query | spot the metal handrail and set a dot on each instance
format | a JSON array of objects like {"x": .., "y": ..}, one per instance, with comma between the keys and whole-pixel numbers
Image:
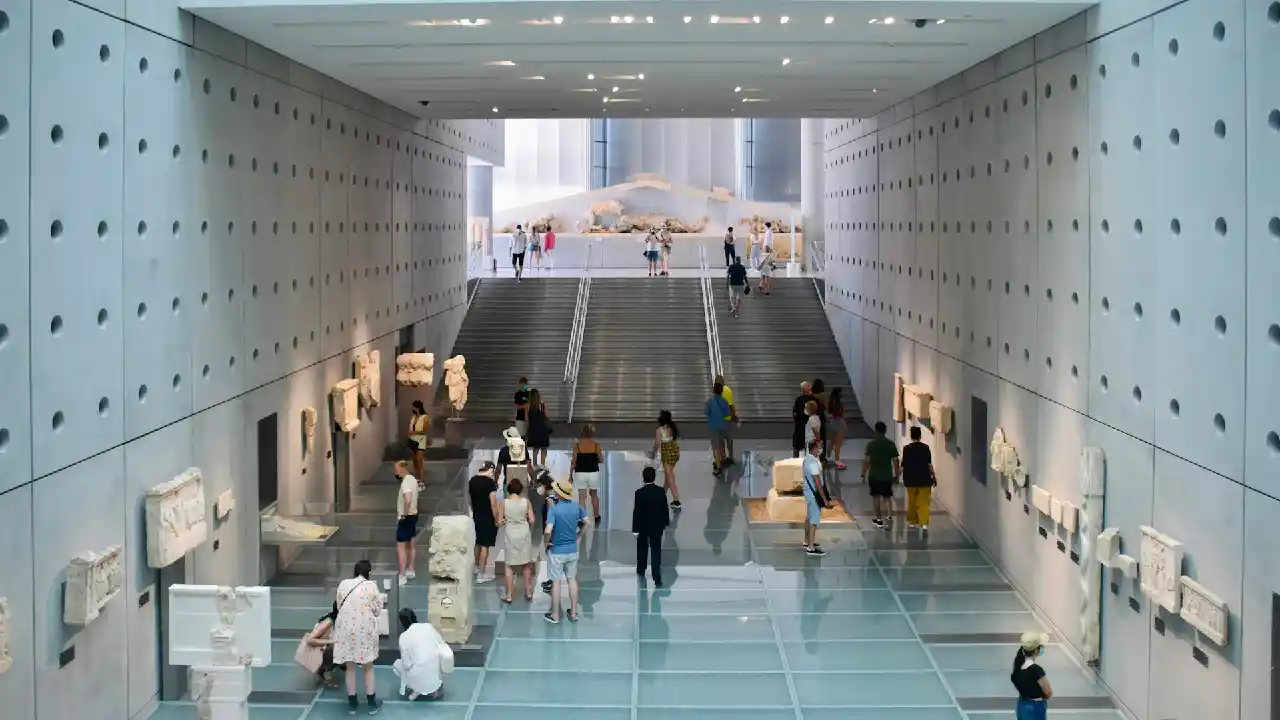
[
  {"x": 818, "y": 266},
  {"x": 577, "y": 356},
  {"x": 709, "y": 314},
  {"x": 573, "y": 358}
]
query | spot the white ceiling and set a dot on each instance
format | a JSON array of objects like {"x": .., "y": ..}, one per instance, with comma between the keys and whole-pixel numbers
[{"x": 848, "y": 67}]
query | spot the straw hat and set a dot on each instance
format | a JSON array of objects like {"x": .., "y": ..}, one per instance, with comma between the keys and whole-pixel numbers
[{"x": 564, "y": 490}]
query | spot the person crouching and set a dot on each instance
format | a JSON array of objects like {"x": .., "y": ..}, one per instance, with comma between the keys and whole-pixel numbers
[{"x": 424, "y": 658}]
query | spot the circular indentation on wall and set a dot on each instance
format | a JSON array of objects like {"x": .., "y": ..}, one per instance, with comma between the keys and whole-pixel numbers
[
  {"x": 1175, "y": 407},
  {"x": 1106, "y": 305},
  {"x": 1074, "y": 82},
  {"x": 177, "y": 75},
  {"x": 1075, "y": 371},
  {"x": 1048, "y": 294},
  {"x": 1137, "y": 394},
  {"x": 204, "y": 371},
  {"x": 295, "y": 342},
  {"x": 988, "y": 341},
  {"x": 4, "y": 25},
  {"x": 208, "y": 86},
  {"x": 1219, "y": 31},
  {"x": 1006, "y": 287},
  {"x": 1006, "y": 348},
  {"x": 231, "y": 294},
  {"x": 1137, "y": 143},
  {"x": 142, "y": 147},
  {"x": 103, "y": 141},
  {"x": 1220, "y": 129},
  {"x": 1137, "y": 311},
  {"x": 276, "y": 350},
  {"x": 231, "y": 160},
  {"x": 231, "y": 362},
  {"x": 56, "y": 134},
  {"x": 177, "y": 152},
  {"x": 1102, "y": 70},
  {"x": 1106, "y": 384},
  {"x": 102, "y": 317},
  {"x": 175, "y": 305},
  {"x": 1273, "y": 12},
  {"x": 1048, "y": 158},
  {"x": 1219, "y": 423},
  {"x": 55, "y": 229},
  {"x": 1273, "y": 332},
  {"x": 59, "y": 39},
  {"x": 1274, "y": 226},
  {"x": 104, "y": 53},
  {"x": 1106, "y": 227},
  {"x": 104, "y": 405},
  {"x": 1026, "y": 355},
  {"x": 234, "y": 94},
  {"x": 1175, "y": 226},
  {"x": 58, "y": 421},
  {"x": 142, "y": 311},
  {"x": 1075, "y": 154},
  {"x": 1173, "y": 47},
  {"x": 1220, "y": 226},
  {"x": 142, "y": 393},
  {"x": 175, "y": 228},
  {"x": 1175, "y": 137},
  {"x": 1135, "y": 59},
  {"x": 177, "y": 382},
  {"x": 4, "y": 432},
  {"x": 1220, "y": 325},
  {"x": 204, "y": 298},
  {"x": 1048, "y": 90},
  {"x": 4, "y": 335},
  {"x": 1048, "y": 363},
  {"x": 1075, "y": 225},
  {"x": 1105, "y": 148},
  {"x": 1175, "y": 316},
  {"x": 1137, "y": 227},
  {"x": 142, "y": 228}
]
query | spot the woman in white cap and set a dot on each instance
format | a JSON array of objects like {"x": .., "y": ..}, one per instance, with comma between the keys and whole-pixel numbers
[{"x": 1029, "y": 678}]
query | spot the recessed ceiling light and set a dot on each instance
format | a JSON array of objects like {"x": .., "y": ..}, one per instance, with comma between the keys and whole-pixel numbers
[
  {"x": 628, "y": 19},
  {"x": 534, "y": 77},
  {"x": 502, "y": 63},
  {"x": 755, "y": 18},
  {"x": 873, "y": 21},
  {"x": 615, "y": 88},
  {"x": 557, "y": 19},
  {"x": 828, "y": 20},
  {"x": 495, "y": 109},
  {"x": 889, "y": 21},
  {"x": 715, "y": 19},
  {"x": 688, "y": 19},
  {"x": 615, "y": 19},
  {"x": 606, "y": 98},
  {"x": 784, "y": 19},
  {"x": 640, "y": 76},
  {"x": 786, "y": 61},
  {"x": 942, "y": 21},
  {"x": 591, "y": 76},
  {"x": 465, "y": 22}
]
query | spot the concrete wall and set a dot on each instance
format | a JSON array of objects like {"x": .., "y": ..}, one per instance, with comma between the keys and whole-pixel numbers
[
  {"x": 1071, "y": 233},
  {"x": 195, "y": 233}
]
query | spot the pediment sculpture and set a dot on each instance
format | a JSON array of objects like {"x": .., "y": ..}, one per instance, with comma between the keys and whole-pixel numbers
[{"x": 415, "y": 369}]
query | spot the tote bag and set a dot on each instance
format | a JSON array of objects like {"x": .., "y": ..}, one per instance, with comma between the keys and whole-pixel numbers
[{"x": 307, "y": 655}]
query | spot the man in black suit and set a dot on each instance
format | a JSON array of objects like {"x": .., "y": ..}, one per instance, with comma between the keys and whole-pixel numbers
[{"x": 649, "y": 518}]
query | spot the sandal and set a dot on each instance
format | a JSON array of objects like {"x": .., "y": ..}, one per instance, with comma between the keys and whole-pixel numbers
[
  {"x": 573, "y": 616},
  {"x": 505, "y": 598}
]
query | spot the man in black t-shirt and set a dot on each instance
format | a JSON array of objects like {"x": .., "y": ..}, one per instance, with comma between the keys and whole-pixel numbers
[
  {"x": 737, "y": 285},
  {"x": 919, "y": 479},
  {"x": 522, "y": 407},
  {"x": 799, "y": 418},
  {"x": 481, "y": 489}
]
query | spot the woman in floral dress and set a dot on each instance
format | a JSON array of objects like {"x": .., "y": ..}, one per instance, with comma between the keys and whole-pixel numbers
[{"x": 355, "y": 633}]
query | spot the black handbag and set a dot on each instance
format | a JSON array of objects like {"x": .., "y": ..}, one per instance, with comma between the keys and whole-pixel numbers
[{"x": 746, "y": 289}]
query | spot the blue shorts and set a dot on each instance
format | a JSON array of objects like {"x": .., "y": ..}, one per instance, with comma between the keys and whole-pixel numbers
[
  {"x": 651, "y": 255},
  {"x": 1028, "y": 709},
  {"x": 562, "y": 566},
  {"x": 406, "y": 529}
]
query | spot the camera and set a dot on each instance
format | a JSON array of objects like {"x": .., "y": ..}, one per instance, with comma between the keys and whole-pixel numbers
[{"x": 920, "y": 22}]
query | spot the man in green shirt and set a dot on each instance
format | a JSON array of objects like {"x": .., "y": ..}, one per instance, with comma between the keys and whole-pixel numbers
[{"x": 880, "y": 470}]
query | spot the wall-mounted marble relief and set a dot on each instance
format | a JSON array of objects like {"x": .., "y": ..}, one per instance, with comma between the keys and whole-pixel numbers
[
  {"x": 915, "y": 400},
  {"x": 941, "y": 417},
  {"x": 6, "y": 659},
  {"x": 1161, "y": 575},
  {"x": 899, "y": 409},
  {"x": 176, "y": 518},
  {"x": 92, "y": 580},
  {"x": 1204, "y": 611},
  {"x": 370, "y": 376},
  {"x": 1004, "y": 459},
  {"x": 415, "y": 369},
  {"x": 346, "y": 404},
  {"x": 309, "y": 418}
]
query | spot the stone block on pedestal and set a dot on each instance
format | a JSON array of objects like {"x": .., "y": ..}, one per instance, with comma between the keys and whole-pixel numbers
[
  {"x": 788, "y": 475},
  {"x": 176, "y": 518},
  {"x": 452, "y": 547},
  {"x": 449, "y": 609},
  {"x": 786, "y": 508}
]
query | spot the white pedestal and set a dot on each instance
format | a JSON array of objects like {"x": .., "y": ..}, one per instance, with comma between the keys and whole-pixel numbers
[{"x": 222, "y": 693}]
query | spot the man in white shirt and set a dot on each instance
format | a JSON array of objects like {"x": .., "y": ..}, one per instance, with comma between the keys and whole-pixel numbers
[
  {"x": 406, "y": 522},
  {"x": 519, "y": 241},
  {"x": 768, "y": 243},
  {"x": 424, "y": 658}
]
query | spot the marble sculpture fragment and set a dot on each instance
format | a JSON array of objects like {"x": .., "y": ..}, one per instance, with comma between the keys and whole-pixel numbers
[
  {"x": 455, "y": 378},
  {"x": 369, "y": 372},
  {"x": 1204, "y": 611},
  {"x": 940, "y": 417},
  {"x": 1004, "y": 459},
  {"x": 92, "y": 580},
  {"x": 6, "y": 659},
  {"x": 1161, "y": 558},
  {"x": 346, "y": 404},
  {"x": 415, "y": 369},
  {"x": 309, "y": 417},
  {"x": 451, "y": 564},
  {"x": 176, "y": 518},
  {"x": 899, "y": 409},
  {"x": 915, "y": 400}
]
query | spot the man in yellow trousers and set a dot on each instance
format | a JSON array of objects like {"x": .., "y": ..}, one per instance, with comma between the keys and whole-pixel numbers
[{"x": 919, "y": 479}]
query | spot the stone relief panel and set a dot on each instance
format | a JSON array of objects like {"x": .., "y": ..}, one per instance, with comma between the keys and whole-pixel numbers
[
  {"x": 1041, "y": 500},
  {"x": 1004, "y": 459},
  {"x": 1107, "y": 548},
  {"x": 219, "y": 626},
  {"x": 915, "y": 399},
  {"x": 92, "y": 580},
  {"x": 1204, "y": 611},
  {"x": 940, "y": 417},
  {"x": 451, "y": 564},
  {"x": 415, "y": 369},
  {"x": 1160, "y": 577},
  {"x": 367, "y": 369},
  {"x": 309, "y": 417},
  {"x": 176, "y": 518},
  {"x": 346, "y": 404},
  {"x": 899, "y": 409},
  {"x": 6, "y": 659},
  {"x": 455, "y": 378}
]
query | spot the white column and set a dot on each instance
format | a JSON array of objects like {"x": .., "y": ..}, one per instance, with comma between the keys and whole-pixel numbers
[{"x": 811, "y": 179}]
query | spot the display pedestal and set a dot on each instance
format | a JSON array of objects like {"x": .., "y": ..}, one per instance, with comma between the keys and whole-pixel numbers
[
  {"x": 222, "y": 693},
  {"x": 455, "y": 432}
]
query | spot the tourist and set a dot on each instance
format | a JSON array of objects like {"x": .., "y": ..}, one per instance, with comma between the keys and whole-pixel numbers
[
  {"x": 819, "y": 390},
  {"x": 716, "y": 410},
  {"x": 1029, "y": 678},
  {"x": 356, "y": 633},
  {"x": 665, "y": 241},
  {"x": 919, "y": 480},
  {"x": 649, "y": 519},
  {"x": 549, "y": 243},
  {"x": 733, "y": 420},
  {"x": 730, "y": 249},
  {"x": 516, "y": 517},
  {"x": 406, "y": 522},
  {"x": 799, "y": 418},
  {"x": 880, "y": 469},
  {"x": 316, "y": 651},
  {"x": 816, "y": 497},
  {"x": 424, "y": 658},
  {"x": 521, "y": 405},
  {"x": 483, "y": 492},
  {"x": 812, "y": 427},
  {"x": 835, "y": 406},
  {"x": 765, "y": 268},
  {"x": 737, "y": 285},
  {"x": 585, "y": 461},
  {"x": 651, "y": 253},
  {"x": 535, "y": 246},
  {"x": 419, "y": 426},
  {"x": 768, "y": 242},
  {"x": 518, "y": 243},
  {"x": 565, "y": 522},
  {"x": 666, "y": 447},
  {"x": 539, "y": 429}
]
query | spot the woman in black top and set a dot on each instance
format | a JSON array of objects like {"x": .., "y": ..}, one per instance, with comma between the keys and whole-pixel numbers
[
  {"x": 1029, "y": 678},
  {"x": 587, "y": 455},
  {"x": 539, "y": 437}
]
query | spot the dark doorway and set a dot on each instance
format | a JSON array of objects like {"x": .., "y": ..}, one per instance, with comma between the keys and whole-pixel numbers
[
  {"x": 268, "y": 468},
  {"x": 1275, "y": 658},
  {"x": 978, "y": 439}
]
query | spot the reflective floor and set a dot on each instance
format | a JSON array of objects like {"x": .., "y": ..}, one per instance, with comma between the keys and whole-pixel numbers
[{"x": 888, "y": 626}]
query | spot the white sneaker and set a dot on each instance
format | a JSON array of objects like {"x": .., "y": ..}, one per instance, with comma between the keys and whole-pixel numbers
[
  {"x": 402, "y": 581},
  {"x": 482, "y": 579},
  {"x": 410, "y": 574}
]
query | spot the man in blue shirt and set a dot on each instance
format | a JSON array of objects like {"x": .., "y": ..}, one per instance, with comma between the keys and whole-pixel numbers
[
  {"x": 565, "y": 521},
  {"x": 717, "y": 410},
  {"x": 815, "y": 497}
]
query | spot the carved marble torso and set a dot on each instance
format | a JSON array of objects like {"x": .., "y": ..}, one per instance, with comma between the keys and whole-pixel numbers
[{"x": 456, "y": 380}]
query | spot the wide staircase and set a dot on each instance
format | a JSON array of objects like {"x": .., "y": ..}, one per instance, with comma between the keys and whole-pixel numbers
[
  {"x": 778, "y": 342},
  {"x": 513, "y": 329},
  {"x": 644, "y": 350}
]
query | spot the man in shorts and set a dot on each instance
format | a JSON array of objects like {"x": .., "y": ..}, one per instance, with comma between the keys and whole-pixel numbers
[
  {"x": 406, "y": 522},
  {"x": 880, "y": 470},
  {"x": 737, "y": 285},
  {"x": 717, "y": 411},
  {"x": 565, "y": 521},
  {"x": 519, "y": 242},
  {"x": 816, "y": 497}
]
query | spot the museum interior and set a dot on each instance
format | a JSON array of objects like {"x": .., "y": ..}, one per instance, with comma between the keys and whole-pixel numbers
[{"x": 1043, "y": 235}]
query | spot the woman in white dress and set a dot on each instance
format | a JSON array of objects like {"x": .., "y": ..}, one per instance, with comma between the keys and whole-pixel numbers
[
  {"x": 766, "y": 271},
  {"x": 356, "y": 633},
  {"x": 517, "y": 517}
]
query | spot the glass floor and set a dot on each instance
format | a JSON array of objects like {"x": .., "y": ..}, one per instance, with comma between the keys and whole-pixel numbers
[{"x": 888, "y": 626}]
